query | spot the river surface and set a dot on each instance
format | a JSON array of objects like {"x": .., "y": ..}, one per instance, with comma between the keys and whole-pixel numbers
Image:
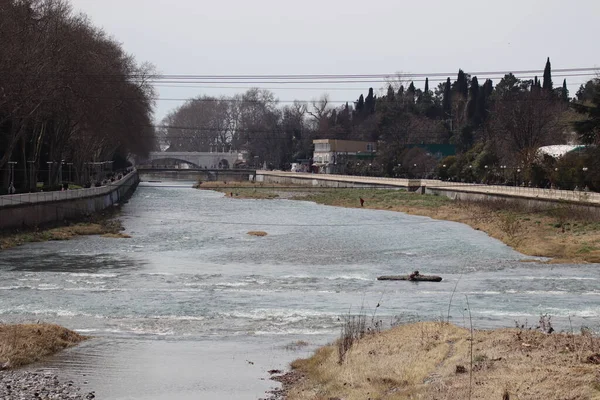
[{"x": 191, "y": 307}]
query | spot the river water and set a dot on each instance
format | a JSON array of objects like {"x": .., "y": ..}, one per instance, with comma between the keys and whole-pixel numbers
[{"x": 191, "y": 307}]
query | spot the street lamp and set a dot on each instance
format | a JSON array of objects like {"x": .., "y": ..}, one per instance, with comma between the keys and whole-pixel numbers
[
  {"x": 32, "y": 184},
  {"x": 49, "y": 163},
  {"x": 70, "y": 165},
  {"x": 60, "y": 171}
]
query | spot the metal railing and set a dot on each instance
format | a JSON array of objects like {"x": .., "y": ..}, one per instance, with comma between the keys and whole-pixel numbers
[{"x": 44, "y": 197}]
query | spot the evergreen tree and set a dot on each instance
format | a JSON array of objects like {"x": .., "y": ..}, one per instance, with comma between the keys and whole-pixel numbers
[
  {"x": 360, "y": 105},
  {"x": 390, "y": 93},
  {"x": 473, "y": 99},
  {"x": 535, "y": 83},
  {"x": 547, "y": 76},
  {"x": 426, "y": 100},
  {"x": 447, "y": 100},
  {"x": 488, "y": 87},
  {"x": 410, "y": 93},
  {"x": 484, "y": 99},
  {"x": 461, "y": 85},
  {"x": 565, "y": 92},
  {"x": 370, "y": 102},
  {"x": 589, "y": 128}
]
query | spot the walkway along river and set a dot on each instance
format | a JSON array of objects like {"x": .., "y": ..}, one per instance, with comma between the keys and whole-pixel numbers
[{"x": 193, "y": 308}]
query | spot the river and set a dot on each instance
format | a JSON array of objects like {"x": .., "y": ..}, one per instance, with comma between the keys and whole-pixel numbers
[{"x": 191, "y": 307}]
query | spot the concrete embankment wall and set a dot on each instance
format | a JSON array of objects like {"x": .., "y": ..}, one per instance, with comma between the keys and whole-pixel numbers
[
  {"x": 337, "y": 181},
  {"x": 36, "y": 209},
  {"x": 530, "y": 198},
  {"x": 527, "y": 202}
]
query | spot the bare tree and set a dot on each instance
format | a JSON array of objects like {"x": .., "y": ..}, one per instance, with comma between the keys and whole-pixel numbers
[{"x": 522, "y": 122}]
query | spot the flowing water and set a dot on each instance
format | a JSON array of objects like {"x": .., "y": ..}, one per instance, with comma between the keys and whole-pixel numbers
[{"x": 191, "y": 307}]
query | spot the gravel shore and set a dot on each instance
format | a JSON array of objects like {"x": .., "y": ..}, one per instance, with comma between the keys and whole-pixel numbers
[{"x": 17, "y": 385}]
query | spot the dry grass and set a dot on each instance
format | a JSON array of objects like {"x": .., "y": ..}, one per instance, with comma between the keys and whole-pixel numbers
[
  {"x": 117, "y": 236},
  {"x": 419, "y": 361},
  {"x": 25, "y": 344},
  {"x": 257, "y": 233},
  {"x": 256, "y": 190},
  {"x": 296, "y": 345},
  {"x": 108, "y": 228}
]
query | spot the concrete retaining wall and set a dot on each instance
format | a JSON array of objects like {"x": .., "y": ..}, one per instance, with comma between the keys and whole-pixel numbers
[
  {"x": 35, "y": 209},
  {"x": 336, "y": 181}
]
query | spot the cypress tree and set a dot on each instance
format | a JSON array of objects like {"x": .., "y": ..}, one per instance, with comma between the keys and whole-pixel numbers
[
  {"x": 390, "y": 93},
  {"x": 547, "y": 76},
  {"x": 488, "y": 87},
  {"x": 410, "y": 92},
  {"x": 473, "y": 98},
  {"x": 426, "y": 98},
  {"x": 565, "y": 92},
  {"x": 462, "y": 86},
  {"x": 370, "y": 102},
  {"x": 401, "y": 91},
  {"x": 360, "y": 105},
  {"x": 447, "y": 100}
]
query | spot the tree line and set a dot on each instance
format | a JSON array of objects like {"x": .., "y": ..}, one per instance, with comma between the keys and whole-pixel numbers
[
  {"x": 495, "y": 129},
  {"x": 69, "y": 94}
]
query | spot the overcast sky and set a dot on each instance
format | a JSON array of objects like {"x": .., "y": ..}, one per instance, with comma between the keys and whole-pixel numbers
[{"x": 347, "y": 37}]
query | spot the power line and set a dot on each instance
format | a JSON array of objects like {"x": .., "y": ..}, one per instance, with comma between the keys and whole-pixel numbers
[
  {"x": 300, "y": 78},
  {"x": 331, "y": 76}
]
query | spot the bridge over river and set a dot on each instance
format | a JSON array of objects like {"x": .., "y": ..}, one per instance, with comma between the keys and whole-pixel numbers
[
  {"x": 159, "y": 173},
  {"x": 205, "y": 160}
]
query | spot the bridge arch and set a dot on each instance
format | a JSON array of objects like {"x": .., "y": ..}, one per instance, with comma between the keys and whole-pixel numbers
[{"x": 224, "y": 164}]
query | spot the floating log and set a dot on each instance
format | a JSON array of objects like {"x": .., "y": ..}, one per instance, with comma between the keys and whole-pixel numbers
[{"x": 419, "y": 278}]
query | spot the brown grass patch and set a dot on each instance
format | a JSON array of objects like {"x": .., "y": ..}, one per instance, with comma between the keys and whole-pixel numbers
[
  {"x": 296, "y": 345},
  {"x": 117, "y": 236},
  {"x": 108, "y": 228},
  {"x": 420, "y": 361},
  {"x": 25, "y": 344},
  {"x": 257, "y": 233}
]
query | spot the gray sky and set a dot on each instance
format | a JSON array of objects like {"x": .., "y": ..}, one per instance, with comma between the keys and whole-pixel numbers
[{"x": 347, "y": 37}]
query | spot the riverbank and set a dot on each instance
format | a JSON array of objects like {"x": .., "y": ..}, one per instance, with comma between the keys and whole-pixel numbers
[
  {"x": 104, "y": 224},
  {"x": 436, "y": 360},
  {"x": 21, "y": 345},
  {"x": 561, "y": 234},
  {"x": 25, "y": 344}
]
